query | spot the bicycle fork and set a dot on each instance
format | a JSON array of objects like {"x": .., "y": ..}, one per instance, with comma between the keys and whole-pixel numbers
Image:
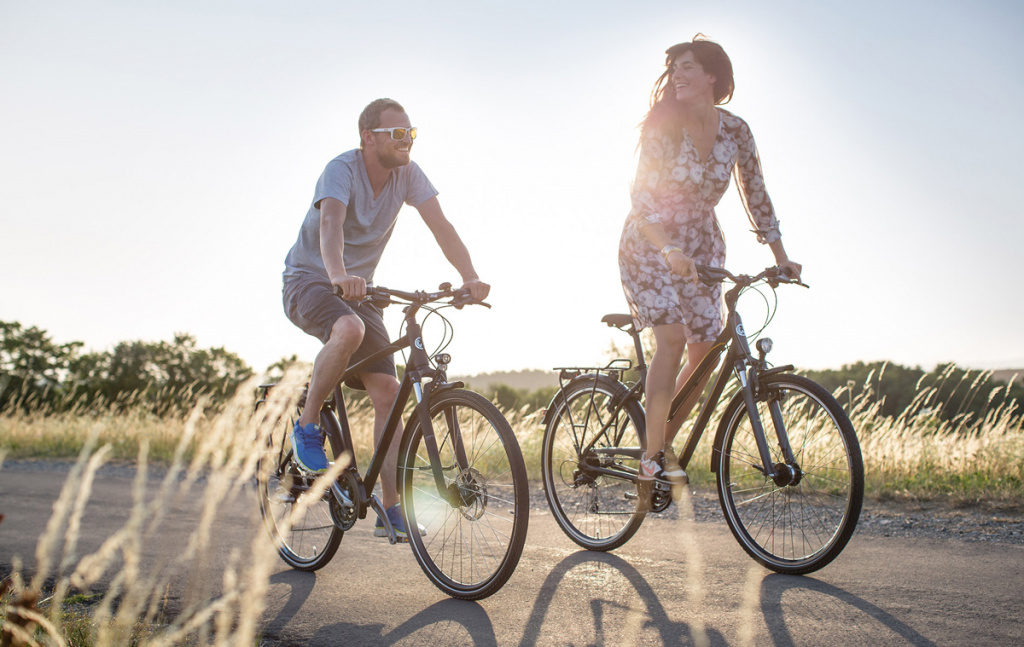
[{"x": 787, "y": 473}]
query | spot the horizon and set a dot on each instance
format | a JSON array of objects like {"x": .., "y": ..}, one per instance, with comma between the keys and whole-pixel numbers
[{"x": 158, "y": 161}]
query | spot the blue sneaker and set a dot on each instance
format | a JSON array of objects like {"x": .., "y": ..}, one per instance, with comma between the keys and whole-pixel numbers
[
  {"x": 397, "y": 521},
  {"x": 308, "y": 448}
]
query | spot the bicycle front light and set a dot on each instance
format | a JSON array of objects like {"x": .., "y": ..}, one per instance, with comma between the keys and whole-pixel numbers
[{"x": 764, "y": 346}]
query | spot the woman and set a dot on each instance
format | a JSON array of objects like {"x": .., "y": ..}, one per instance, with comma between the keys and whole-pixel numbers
[{"x": 688, "y": 149}]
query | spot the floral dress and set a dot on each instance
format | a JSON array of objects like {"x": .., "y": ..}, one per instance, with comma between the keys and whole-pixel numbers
[{"x": 677, "y": 189}]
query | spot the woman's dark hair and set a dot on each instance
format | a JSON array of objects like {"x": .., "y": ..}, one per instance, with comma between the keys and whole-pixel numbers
[{"x": 711, "y": 57}]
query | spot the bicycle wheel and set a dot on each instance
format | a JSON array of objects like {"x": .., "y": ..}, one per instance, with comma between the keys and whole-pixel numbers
[
  {"x": 306, "y": 539},
  {"x": 471, "y": 547},
  {"x": 598, "y": 511},
  {"x": 801, "y": 526}
]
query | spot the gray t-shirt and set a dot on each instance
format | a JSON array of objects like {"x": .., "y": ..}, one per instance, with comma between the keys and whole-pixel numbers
[{"x": 369, "y": 221}]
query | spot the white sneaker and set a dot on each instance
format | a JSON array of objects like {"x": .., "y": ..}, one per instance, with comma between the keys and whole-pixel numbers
[{"x": 653, "y": 469}]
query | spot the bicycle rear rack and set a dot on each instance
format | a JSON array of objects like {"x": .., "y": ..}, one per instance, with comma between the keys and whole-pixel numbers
[{"x": 613, "y": 369}]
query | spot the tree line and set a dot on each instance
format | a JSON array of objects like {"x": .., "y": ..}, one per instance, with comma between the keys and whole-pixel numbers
[
  {"x": 947, "y": 391},
  {"x": 37, "y": 373}
]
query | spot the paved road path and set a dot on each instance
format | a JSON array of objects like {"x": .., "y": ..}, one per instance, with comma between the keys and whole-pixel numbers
[{"x": 675, "y": 583}]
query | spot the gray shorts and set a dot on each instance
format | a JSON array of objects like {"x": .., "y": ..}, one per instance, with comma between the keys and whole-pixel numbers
[{"x": 311, "y": 304}]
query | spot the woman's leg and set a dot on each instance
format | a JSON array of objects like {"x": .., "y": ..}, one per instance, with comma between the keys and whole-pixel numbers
[
  {"x": 694, "y": 354},
  {"x": 670, "y": 341}
]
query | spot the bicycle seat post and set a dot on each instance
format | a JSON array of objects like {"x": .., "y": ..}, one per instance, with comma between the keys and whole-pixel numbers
[{"x": 641, "y": 363}]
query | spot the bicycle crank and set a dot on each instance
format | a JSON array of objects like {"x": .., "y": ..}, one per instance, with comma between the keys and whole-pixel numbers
[{"x": 344, "y": 511}]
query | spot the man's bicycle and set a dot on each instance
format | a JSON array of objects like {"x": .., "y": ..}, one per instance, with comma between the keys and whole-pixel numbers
[
  {"x": 789, "y": 470},
  {"x": 461, "y": 475}
]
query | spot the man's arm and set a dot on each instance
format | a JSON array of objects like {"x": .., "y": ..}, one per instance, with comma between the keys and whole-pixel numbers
[
  {"x": 332, "y": 246},
  {"x": 453, "y": 247}
]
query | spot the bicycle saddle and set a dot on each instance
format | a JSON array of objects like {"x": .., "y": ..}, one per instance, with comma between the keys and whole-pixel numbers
[{"x": 619, "y": 321}]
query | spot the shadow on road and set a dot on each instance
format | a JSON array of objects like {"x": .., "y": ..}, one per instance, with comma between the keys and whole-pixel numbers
[
  {"x": 652, "y": 614},
  {"x": 809, "y": 600},
  {"x": 301, "y": 586},
  {"x": 448, "y": 622}
]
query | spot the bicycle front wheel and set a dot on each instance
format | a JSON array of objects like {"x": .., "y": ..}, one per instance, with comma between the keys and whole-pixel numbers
[
  {"x": 802, "y": 520},
  {"x": 589, "y": 461},
  {"x": 474, "y": 529},
  {"x": 301, "y": 526}
]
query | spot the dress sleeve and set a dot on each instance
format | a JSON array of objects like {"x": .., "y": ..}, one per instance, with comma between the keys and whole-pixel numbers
[
  {"x": 648, "y": 181},
  {"x": 750, "y": 182}
]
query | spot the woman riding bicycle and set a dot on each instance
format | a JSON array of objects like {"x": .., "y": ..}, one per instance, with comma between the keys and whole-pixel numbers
[{"x": 688, "y": 149}]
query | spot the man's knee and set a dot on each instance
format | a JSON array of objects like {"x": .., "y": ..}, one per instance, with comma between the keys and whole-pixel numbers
[
  {"x": 347, "y": 332},
  {"x": 381, "y": 387}
]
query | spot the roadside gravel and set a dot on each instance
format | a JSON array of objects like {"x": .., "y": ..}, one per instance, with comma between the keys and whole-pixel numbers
[{"x": 929, "y": 519}]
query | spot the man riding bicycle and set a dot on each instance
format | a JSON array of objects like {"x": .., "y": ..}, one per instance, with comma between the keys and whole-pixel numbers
[{"x": 341, "y": 240}]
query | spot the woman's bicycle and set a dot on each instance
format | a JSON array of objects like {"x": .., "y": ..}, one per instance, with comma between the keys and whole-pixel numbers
[
  {"x": 789, "y": 471},
  {"x": 461, "y": 475}
]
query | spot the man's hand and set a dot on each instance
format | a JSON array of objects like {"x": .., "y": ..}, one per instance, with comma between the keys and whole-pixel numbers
[
  {"x": 352, "y": 288},
  {"x": 477, "y": 289}
]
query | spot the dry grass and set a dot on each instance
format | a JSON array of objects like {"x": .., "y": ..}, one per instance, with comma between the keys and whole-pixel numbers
[
  {"x": 222, "y": 608},
  {"x": 917, "y": 454},
  {"x": 923, "y": 454}
]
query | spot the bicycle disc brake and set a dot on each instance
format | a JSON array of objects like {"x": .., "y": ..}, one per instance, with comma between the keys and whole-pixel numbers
[{"x": 473, "y": 493}]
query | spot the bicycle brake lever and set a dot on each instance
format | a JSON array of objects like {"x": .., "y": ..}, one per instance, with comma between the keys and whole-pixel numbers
[{"x": 461, "y": 302}]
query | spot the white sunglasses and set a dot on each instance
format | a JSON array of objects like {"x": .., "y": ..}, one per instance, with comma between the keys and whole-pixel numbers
[{"x": 398, "y": 133}]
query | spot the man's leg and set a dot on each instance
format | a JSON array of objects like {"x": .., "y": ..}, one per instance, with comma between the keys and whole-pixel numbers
[{"x": 330, "y": 365}]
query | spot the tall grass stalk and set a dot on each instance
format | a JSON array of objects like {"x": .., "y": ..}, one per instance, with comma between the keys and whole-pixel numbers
[{"x": 215, "y": 456}]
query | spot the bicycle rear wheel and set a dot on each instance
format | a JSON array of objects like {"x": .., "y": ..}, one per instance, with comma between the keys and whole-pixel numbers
[
  {"x": 471, "y": 547},
  {"x": 800, "y": 526},
  {"x": 306, "y": 538},
  {"x": 584, "y": 434}
]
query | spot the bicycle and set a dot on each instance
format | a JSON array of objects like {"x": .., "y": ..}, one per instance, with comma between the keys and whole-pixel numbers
[
  {"x": 792, "y": 505},
  {"x": 461, "y": 475}
]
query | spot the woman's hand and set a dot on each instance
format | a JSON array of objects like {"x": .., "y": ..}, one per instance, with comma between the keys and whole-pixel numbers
[
  {"x": 791, "y": 268},
  {"x": 681, "y": 264}
]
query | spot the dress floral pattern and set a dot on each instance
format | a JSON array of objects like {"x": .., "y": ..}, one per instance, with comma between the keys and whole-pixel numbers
[{"x": 677, "y": 189}]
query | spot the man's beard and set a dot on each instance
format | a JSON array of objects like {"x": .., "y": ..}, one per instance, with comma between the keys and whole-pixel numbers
[{"x": 391, "y": 159}]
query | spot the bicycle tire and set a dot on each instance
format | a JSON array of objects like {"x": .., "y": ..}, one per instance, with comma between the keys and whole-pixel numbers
[
  {"x": 598, "y": 512},
  {"x": 802, "y": 527},
  {"x": 311, "y": 539},
  {"x": 471, "y": 549}
]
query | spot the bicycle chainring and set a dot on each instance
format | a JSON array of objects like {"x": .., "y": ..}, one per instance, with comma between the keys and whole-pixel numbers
[
  {"x": 661, "y": 497},
  {"x": 344, "y": 517}
]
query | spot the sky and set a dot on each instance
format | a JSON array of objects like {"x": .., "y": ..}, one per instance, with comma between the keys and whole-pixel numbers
[{"x": 157, "y": 159}]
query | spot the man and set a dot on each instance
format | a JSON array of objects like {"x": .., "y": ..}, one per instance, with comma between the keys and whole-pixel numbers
[{"x": 353, "y": 213}]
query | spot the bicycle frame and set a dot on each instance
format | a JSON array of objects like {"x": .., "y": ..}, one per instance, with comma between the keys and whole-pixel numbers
[
  {"x": 335, "y": 419},
  {"x": 739, "y": 361}
]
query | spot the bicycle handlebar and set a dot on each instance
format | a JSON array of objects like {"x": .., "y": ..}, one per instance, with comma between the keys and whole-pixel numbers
[
  {"x": 773, "y": 276},
  {"x": 460, "y": 297}
]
